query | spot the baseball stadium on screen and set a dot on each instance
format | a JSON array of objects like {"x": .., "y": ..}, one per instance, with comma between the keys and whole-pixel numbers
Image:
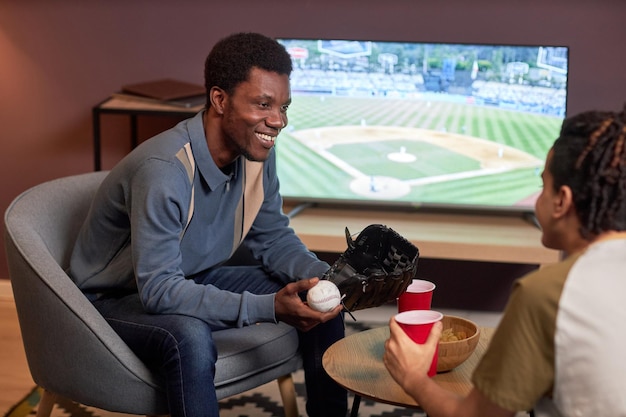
[{"x": 420, "y": 125}]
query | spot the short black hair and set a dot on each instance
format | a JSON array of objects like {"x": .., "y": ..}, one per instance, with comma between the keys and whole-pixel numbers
[
  {"x": 231, "y": 59},
  {"x": 590, "y": 157}
]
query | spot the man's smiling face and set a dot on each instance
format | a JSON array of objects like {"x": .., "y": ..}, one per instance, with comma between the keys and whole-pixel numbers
[{"x": 255, "y": 113}]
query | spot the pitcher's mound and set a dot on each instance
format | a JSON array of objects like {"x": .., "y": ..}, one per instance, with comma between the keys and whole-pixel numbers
[
  {"x": 401, "y": 156},
  {"x": 380, "y": 187}
]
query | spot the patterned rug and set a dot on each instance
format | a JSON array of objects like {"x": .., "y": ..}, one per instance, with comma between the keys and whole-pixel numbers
[{"x": 263, "y": 401}]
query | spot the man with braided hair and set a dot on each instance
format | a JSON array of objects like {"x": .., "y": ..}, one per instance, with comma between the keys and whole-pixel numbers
[{"x": 559, "y": 346}]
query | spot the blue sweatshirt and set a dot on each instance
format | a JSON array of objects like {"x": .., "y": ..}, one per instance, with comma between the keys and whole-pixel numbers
[{"x": 131, "y": 239}]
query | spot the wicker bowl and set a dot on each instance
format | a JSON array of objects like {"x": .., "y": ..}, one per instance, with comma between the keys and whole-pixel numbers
[{"x": 454, "y": 353}]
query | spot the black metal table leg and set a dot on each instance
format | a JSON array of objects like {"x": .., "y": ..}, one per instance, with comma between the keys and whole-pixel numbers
[
  {"x": 96, "y": 138},
  {"x": 355, "y": 406}
]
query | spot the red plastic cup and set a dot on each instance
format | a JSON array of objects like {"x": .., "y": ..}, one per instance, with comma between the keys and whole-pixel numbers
[
  {"x": 417, "y": 325},
  {"x": 418, "y": 296}
]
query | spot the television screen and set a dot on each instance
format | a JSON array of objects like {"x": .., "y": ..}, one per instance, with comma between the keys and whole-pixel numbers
[{"x": 420, "y": 125}]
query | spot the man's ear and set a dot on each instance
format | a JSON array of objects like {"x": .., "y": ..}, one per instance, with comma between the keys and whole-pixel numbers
[
  {"x": 563, "y": 202},
  {"x": 217, "y": 96}
]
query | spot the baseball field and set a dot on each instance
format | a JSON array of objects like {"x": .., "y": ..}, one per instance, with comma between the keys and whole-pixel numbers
[{"x": 419, "y": 151}]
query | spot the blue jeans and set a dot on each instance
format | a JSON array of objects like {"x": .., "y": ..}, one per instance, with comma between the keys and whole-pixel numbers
[{"x": 181, "y": 348}]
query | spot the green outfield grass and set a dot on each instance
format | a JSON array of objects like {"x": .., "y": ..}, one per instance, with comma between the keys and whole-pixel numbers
[{"x": 304, "y": 172}]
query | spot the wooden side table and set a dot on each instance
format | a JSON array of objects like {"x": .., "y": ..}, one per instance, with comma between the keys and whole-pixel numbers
[
  {"x": 117, "y": 104},
  {"x": 356, "y": 363}
]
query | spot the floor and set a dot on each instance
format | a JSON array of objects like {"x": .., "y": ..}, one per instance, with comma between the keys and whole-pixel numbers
[{"x": 15, "y": 380}]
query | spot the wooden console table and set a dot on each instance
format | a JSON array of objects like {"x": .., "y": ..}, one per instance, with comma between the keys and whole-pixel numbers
[
  {"x": 506, "y": 239},
  {"x": 133, "y": 108}
]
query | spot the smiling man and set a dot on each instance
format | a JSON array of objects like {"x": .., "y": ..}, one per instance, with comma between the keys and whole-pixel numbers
[{"x": 151, "y": 253}]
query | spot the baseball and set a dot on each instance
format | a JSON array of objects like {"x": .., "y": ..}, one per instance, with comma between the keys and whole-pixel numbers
[{"x": 324, "y": 296}]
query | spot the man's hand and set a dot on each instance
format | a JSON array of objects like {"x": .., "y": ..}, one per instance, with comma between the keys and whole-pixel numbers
[
  {"x": 408, "y": 364},
  {"x": 407, "y": 361},
  {"x": 289, "y": 307}
]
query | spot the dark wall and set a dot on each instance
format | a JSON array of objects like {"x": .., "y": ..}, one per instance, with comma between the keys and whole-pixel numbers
[{"x": 60, "y": 57}]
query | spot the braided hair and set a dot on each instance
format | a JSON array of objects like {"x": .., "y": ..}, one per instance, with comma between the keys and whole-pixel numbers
[{"x": 590, "y": 157}]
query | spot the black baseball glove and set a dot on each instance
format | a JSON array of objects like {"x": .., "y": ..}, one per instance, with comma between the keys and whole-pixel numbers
[{"x": 376, "y": 268}]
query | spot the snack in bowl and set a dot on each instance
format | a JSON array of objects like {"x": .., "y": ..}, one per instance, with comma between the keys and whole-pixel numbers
[{"x": 459, "y": 340}]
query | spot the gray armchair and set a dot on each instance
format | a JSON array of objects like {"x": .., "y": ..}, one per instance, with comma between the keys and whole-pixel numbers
[{"x": 71, "y": 350}]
